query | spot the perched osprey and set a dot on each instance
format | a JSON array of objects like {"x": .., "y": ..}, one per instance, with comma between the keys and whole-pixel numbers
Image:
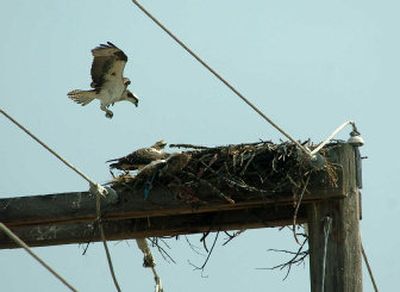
[
  {"x": 140, "y": 158},
  {"x": 109, "y": 84}
]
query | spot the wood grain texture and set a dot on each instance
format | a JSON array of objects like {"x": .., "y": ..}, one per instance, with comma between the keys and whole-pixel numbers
[{"x": 343, "y": 254}]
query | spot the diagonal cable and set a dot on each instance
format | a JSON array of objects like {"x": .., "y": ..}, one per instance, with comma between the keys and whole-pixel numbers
[
  {"x": 96, "y": 189},
  {"x": 216, "y": 74},
  {"x": 80, "y": 173},
  {"x": 371, "y": 275},
  {"x": 22, "y": 244}
]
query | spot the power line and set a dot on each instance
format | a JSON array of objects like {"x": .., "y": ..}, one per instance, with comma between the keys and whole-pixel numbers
[
  {"x": 216, "y": 74},
  {"x": 80, "y": 173},
  {"x": 96, "y": 189},
  {"x": 371, "y": 275},
  {"x": 22, "y": 244},
  {"x": 96, "y": 192},
  {"x": 311, "y": 154}
]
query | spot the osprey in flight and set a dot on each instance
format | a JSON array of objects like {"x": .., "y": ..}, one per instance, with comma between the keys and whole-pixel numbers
[
  {"x": 108, "y": 83},
  {"x": 140, "y": 158}
]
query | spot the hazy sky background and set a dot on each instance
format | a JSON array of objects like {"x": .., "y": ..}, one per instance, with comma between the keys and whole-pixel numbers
[{"x": 309, "y": 65}]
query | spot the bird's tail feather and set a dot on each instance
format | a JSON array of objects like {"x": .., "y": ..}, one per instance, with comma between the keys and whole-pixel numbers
[{"x": 82, "y": 97}]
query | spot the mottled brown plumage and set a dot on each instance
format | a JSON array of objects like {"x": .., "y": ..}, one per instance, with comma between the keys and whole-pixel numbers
[{"x": 140, "y": 158}]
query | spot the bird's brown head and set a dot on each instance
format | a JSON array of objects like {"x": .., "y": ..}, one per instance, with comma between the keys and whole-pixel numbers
[{"x": 160, "y": 144}]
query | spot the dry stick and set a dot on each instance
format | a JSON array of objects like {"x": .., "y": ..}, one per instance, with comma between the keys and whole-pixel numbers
[
  {"x": 193, "y": 247},
  {"x": 188, "y": 146},
  {"x": 230, "y": 86},
  {"x": 22, "y": 244},
  {"x": 166, "y": 256},
  {"x": 208, "y": 254},
  {"x": 93, "y": 186},
  {"x": 298, "y": 257},
  {"x": 234, "y": 235},
  {"x": 296, "y": 211}
]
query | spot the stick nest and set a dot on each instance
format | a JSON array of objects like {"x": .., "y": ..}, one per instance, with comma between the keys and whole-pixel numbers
[{"x": 205, "y": 173}]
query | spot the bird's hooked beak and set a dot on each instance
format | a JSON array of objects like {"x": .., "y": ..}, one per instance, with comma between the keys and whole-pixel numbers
[{"x": 133, "y": 98}]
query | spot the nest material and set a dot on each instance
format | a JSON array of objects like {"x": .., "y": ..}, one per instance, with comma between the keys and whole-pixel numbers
[{"x": 249, "y": 169}]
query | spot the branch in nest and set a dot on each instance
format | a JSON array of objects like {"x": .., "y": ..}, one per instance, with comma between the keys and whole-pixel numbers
[
  {"x": 188, "y": 146},
  {"x": 203, "y": 240},
  {"x": 213, "y": 188},
  {"x": 297, "y": 207},
  {"x": 201, "y": 268},
  {"x": 155, "y": 242},
  {"x": 248, "y": 163},
  {"x": 207, "y": 166},
  {"x": 232, "y": 236},
  {"x": 242, "y": 185},
  {"x": 297, "y": 259},
  {"x": 193, "y": 247}
]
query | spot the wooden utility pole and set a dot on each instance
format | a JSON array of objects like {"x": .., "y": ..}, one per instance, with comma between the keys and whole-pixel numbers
[
  {"x": 334, "y": 237},
  {"x": 332, "y": 212}
]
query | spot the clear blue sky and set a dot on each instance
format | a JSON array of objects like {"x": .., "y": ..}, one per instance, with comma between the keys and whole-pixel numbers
[{"x": 309, "y": 65}]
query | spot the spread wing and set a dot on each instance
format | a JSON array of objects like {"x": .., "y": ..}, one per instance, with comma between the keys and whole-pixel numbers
[{"x": 108, "y": 64}]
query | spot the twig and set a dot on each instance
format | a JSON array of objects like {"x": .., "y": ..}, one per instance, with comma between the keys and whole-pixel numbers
[
  {"x": 193, "y": 247},
  {"x": 296, "y": 211},
  {"x": 298, "y": 258},
  {"x": 188, "y": 146},
  {"x": 214, "y": 189},
  {"x": 248, "y": 163},
  {"x": 243, "y": 186},
  {"x": 85, "y": 249},
  {"x": 203, "y": 240},
  {"x": 208, "y": 255},
  {"x": 232, "y": 236},
  {"x": 161, "y": 250},
  {"x": 212, "y": 161}
]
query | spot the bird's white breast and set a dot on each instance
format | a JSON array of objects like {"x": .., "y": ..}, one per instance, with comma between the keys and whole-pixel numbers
[{"x": 111, "y": 92}]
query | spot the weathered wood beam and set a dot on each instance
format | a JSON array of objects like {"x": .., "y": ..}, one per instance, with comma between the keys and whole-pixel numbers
[
  {"x": 342, "y": 271},
  {"x": 80, "y": 206},
  {"x": 44, "y": 235}
]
